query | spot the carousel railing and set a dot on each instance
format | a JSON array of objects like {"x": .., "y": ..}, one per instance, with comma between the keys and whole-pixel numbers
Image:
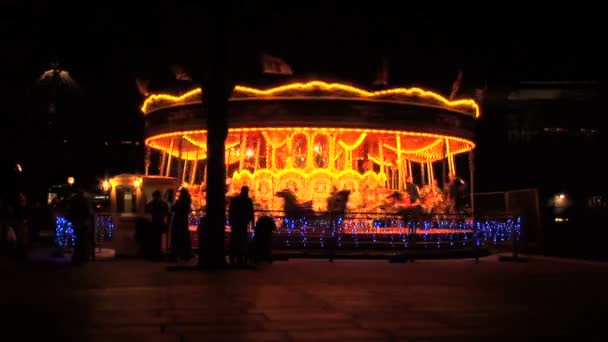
[
  {"x": 353, "y": 230},
  {"x": 382, "y": 230}
]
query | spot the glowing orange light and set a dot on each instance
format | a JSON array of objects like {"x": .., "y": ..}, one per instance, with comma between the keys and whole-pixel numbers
[
  {"x": 249, "y": 153},
  {"x": 304, "y": 174},
  {"x": 105, "y": 185},
  {"x": 424, "y": 152},
  {"x": 156, "y": 97},
  {"x": 71, "y": 180},
  {"x": 193, "y": 96},
  {"x": 137, "y": 183}
]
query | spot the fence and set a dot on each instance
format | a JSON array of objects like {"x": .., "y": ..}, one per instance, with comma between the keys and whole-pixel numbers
[
  {"x": 521, "y": 203},
  {"x": 371, "y": 231},
  {"x": 103, "y": 229},
  {"x": 354, "y": 231}
]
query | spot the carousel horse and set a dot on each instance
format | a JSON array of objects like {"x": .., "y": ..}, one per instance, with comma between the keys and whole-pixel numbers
[
  {"x": 293, "y": 209},
  {"x": 296, "y": 212},
  {"x": 337, "y": 203}
]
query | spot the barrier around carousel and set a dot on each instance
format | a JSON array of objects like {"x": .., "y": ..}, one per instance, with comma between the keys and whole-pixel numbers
[
  {"x": 371, "y": 232},
  {"x": 101, "y": 236}
]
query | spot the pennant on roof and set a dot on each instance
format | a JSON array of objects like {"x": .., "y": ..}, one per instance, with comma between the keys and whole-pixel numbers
[
  {"x": 382, "y": 78},
  {"x": 456, "y": 85},
  {"x": 142, "y": 86},
  {"x": 480, "y": 94},
  {"x": 180, "y": 73},
  {"x": 275, "y": 65}
]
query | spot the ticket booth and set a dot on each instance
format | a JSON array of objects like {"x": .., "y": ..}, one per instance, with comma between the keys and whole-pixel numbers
[{"x": 129, "y": 194}]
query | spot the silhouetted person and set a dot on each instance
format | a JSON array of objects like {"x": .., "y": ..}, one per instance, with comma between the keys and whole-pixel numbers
[
  {"x": 8, "y": 237},
  {"x": 240, "y": 214},
  {"x": 159, "y": 210},
  {"x": 180, "y": 235},
  {"x": 336, "y": 209},
  {"x": 262, "y": 239},
  {"x": 21, "y": 225},
  {"x": 80, "y": 213},
  {"x": 456, "y": 193},
  {"x": 412, "y": 189}
]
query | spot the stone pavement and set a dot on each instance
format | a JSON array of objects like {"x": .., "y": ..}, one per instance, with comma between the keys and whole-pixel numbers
[{"x": 305, "y": 300}]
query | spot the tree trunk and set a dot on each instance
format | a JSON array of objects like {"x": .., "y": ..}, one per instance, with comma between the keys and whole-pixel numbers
[{"x": 216, "y": 91}]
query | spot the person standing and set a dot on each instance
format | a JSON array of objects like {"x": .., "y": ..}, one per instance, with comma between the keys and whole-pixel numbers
[
  {"x": 180, "y": 235},
  {"x": 159, "y": 210},
  {"x": 240, "y": 214},
  {"x": 80, "y": 213}
]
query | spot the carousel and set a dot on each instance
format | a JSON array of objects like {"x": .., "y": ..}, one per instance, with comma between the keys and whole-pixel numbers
[
  {"x": 310, "y": 140},
  {"x": 305, "y": 149}
]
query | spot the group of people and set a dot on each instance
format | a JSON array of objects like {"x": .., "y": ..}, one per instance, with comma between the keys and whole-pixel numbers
[
  {"x": 240, "y": 215},
  {"x": 17, "y": 219},
  {"x": 162, "y": 217}
]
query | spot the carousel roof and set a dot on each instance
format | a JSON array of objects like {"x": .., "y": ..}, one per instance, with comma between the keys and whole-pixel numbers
[{"x": 315, "y": 90}]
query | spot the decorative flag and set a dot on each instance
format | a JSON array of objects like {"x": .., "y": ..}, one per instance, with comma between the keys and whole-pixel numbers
[
  {"x": 275, "y": 65},
  {"x": 382, "y": 77},
  {"x": 456, "y": 85},
  {"x": 142, "y": 86},
  {"x": 480, "y": 93},
  {"x": 180, "y": 73}
]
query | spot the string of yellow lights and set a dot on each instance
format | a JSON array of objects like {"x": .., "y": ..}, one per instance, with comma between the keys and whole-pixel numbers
[{"x": 194, "y": 95}]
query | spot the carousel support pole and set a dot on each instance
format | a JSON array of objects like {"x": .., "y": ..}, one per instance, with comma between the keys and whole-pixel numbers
[
  {"x": 428, "y": 170},
  {"x": 472, "y": 191},
  {"x": 147, "y": 161},
  {"x": 382, "y": 162},
  {"x": 444, "y": 164},
  {"x": 332, "y": 152},
  {"x": 399, "y": 163},
  {"x": 409, "y": 167},
  {"x": 422, "y": 173},
  {"x": 258, "y": 145},
  {"x": 180, "y": 162},
  {"x": 170, "y": 156},
  {"x": 167, "y": 171},
  {"x": 243, "y": 151},
  {"x": 450, "y": 157},
  {"x": 273, "y": 158},
  {"x": 444, "y": 172},
  {"x": 205, "y": 173},
  {"x": 162, "y": 163},
  {"x": 310, "y": 163},
  {"x": 193, "y": 168},
  {"x": 268, "y": 154},
  {"x": 381, "y": 155},
  {"x": 453, "y": 164},
  {"x": 184, "y": 172}
]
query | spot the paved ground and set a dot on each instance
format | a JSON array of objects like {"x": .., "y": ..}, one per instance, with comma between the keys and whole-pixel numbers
[{"x": 348, "y": 300}]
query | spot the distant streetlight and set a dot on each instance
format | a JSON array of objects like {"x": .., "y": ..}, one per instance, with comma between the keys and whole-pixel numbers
[
  {"x": 105, "y": 185},
  {"x": 71, "y": 181}
]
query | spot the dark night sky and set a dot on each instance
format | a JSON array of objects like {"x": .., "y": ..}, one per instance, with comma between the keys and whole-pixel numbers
[{"x": 106, "y": 48}]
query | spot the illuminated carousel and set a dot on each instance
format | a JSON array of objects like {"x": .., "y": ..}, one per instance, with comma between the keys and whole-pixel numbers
[
  {"x": 313, "y": 139},
  {"x": 303, "y": 143}
]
